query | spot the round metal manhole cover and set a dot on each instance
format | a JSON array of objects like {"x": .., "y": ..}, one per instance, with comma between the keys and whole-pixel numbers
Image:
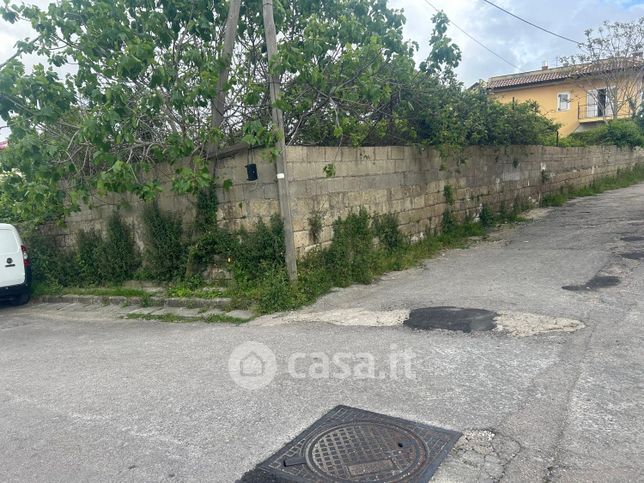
[{"x": 366, "y": 451}]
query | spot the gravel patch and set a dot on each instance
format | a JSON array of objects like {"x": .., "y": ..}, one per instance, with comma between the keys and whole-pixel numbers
[{"x": 521, "y": 324}]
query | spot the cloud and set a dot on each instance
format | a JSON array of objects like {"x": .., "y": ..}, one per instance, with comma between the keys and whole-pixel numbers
[
  {"x": 11, "y": 33},
  {"x": 519, "y": 43}
]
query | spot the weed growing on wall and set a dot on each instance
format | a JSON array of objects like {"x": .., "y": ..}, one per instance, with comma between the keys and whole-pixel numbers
[
  {"x": 447, "y": 222},
  {"x": 89, "y": 246},
  {"x": 95, "y": 260},
  {"x": 622, "y": 179},
  {"x": 315, "y": 227},
  {"x": 385, "y": 228},
  {"x": 350, "y": 255},
  {"x": 448, "y": 193},
  {"x": 215, "y": 247},
  {"x": 512, "y": 212},
  {"x": 52, "y": 265},
  {"x": 486, "y": 216},
  {"x": 260, "y": 251},
  {"x": 206, "y": 210},
  {"x": 165, "y": 254},
  {"x": 119, "y": 258}
]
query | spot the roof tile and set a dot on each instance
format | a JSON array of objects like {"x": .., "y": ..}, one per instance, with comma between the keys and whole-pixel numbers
[{"x": 560, "y": 73}]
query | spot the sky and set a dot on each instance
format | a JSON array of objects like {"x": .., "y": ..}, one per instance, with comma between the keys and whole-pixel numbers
[
  {"x": 517, "y": 42},
  {"x": 520, "y": 44}
]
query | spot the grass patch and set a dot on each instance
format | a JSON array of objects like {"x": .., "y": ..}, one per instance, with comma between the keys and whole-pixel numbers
[
  {"x": 211, "y": 319},
  {"x": 40, "y": 289},
  {"x": 106, "y": 291},
  {"x": 180, "y": 291},
  {"x": 183, "y": 291},
  {"x": 554, "y": 199},
  {"x": 623, "y": 179}
]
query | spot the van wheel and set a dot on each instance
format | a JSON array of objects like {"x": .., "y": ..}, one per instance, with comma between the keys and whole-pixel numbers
[{"x": 21, "y": 299}]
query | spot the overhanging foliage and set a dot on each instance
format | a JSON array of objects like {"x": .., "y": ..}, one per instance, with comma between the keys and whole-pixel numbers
[{"x": 142, "y": 76}]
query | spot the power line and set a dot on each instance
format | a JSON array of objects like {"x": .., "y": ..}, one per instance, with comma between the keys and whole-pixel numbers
[
  {"x": 475, "y": 40},
  {"x": 532, "y": 24}
]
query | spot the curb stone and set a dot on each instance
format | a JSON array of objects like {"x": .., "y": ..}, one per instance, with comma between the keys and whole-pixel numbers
[{"x": 221, "y": 302}]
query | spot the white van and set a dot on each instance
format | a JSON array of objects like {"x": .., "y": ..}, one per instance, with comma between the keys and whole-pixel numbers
[{"x": 15, "y": 269}]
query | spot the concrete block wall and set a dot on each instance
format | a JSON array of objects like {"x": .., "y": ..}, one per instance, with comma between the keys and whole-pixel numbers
[
  {"x": 410, "y": 181},
  {"x": 406, "y": 181},
  {"x": 243, "y": 204}
]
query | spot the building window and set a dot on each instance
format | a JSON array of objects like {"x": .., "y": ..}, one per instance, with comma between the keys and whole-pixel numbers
[
  {"x": 600, "y": 102},
  {"x": 563, "y": 101}
]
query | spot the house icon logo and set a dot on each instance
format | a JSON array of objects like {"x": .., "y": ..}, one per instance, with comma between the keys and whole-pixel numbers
[{"x": 252, "y": 365}]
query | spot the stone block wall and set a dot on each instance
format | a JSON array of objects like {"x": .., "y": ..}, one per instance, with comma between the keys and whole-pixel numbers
[
  {"x": 410, "y": 182},
  {"x": 406, "y": 181}
]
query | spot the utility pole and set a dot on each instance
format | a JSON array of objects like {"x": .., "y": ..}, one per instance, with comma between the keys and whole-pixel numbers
[
  {"x": 278, "y": 125},
  {"x": 230, "y": 34}
]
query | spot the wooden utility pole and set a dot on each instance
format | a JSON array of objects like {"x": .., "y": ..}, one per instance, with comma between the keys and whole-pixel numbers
[
  {"x": 278, "y": 125},
  {"x": 230, "y": 34}
]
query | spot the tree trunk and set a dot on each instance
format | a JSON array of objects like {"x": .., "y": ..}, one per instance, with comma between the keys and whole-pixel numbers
[{"x": 230, "y": 35}]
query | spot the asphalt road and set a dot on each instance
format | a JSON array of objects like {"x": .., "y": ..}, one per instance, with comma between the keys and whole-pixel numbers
[{"x": 555, "y": 394}]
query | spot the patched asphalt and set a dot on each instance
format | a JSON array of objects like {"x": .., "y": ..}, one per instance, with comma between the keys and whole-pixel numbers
[{"x": 451, "y": 318}]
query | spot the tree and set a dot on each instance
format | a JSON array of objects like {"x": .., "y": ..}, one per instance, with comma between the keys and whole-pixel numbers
[
  {"x": 610, "y": 68},
  {"x": 147, "y": 76},
  {"x": 147, "y": 72},
  {"x": 449, "y": 115},
  {"x": 445, "y": 56},
  {"x": 341, "y": 62}
]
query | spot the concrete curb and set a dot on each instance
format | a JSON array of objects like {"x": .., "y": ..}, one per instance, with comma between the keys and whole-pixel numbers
[{"x": 192, "y": 303}]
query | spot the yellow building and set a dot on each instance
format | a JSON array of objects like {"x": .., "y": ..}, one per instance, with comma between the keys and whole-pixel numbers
[{"x": 577, "y": 97}]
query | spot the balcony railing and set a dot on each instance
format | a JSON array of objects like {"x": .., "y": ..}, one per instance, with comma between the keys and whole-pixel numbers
[{"x": 596, "y": 112}]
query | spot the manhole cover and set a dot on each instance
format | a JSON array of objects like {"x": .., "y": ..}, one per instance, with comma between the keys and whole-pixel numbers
[
  {"x": 632, "y": 238},
  {"x": 451, "y": 318},
  {"x": 595, "y": 283},
  {"x": 384, "y": 452},
  {"x": 634, "y": 255},
  {"x": 352, "y": 445}
]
